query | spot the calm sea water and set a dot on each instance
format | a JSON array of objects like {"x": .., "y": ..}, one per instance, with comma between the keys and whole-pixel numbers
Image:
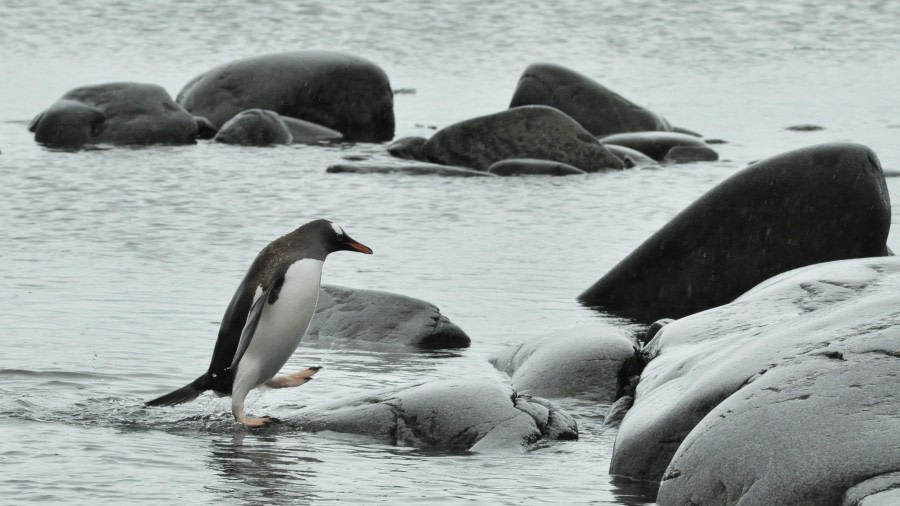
[{"x": 117, "y": 264}]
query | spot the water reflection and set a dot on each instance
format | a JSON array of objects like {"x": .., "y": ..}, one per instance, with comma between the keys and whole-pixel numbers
[{"x": 264, "y": 469}]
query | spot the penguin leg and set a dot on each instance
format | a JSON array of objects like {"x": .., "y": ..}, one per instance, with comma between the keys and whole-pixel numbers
[
  {"x": 240, "y": 389},
  {"x": 293, "y": 380}
]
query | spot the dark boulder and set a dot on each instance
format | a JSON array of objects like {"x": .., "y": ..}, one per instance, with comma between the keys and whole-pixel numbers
[
  {"x": 418, "y": 169},
  {"x": 345, "y": 93},
  {"x": 524, "y": 132},
  {"x": 461, "y": 414},
  {"x": 372, "y": 316},
  {"x": 409, "y": 148},
  {"x": 255, "y": 127},
  {"x": 114, "y": 113},
  {"x": 788, "y": 395},
  {"x": 657, "y": 145},
  {"x": 812, "y": 205},
  {"x": 581, "y": 362},
  {"x": 598, "y": 109},
  {"x": 532, "y": 167}
]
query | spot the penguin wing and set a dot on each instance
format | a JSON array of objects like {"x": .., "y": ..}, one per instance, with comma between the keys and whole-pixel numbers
[{"x": 269, "y": 295}]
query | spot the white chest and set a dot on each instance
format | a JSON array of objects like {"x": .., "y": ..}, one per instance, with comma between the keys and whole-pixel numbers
[{"x": 283, "y": 322}]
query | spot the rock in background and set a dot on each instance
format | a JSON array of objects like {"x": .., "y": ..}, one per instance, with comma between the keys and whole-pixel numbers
[
  {"x": 345, "y": 93},
  {"x": 811, "y": 205}
]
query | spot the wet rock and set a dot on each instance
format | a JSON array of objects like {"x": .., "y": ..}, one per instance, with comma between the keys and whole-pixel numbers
[
  {"x": 465, "y": 414},
  {"x": 409, "y": 148},
  {"x": 617, "y": 411},
  {"x": 114, "y": 113},
  {"x": 419, "y": 169},
  {"x": 205, "y": 129},
  {"x": 345, "y": 93},
  {"x": 690, "y": 154},
  {"x": 807, "y": 206},
  {"x": 882, "y": 490},
  {"x": 599, "y": 110},
  {"x": 654, "y": 329},
  {"x": 657, "y": 145},
  {"x": 307, "y": 132},
  {"x": 524, "y": 132},
  {"x": 630, "y": 157},
  {"x": 381, "y": 317},
  {"x": 579, "y": 362},
  {"x": 797, "y": 377},
  {"x": 255, "y": 127},
  {"x": 532, "y": 167},
  {"x": 805, "y": 128}
]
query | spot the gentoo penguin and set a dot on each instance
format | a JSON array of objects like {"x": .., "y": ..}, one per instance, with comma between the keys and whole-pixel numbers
[{"x": 267, "y": 317}]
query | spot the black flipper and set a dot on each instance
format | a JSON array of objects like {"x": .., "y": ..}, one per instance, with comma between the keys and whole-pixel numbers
[
  {"x": 184, "y": 394},
  {"x": 253, "y": 321}
]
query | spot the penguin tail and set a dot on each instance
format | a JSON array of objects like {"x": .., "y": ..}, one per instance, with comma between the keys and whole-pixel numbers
[{"x": 184, "y": 394}]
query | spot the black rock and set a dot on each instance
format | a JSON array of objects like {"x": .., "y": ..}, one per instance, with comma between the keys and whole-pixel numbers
[
  {"x": 409, "y": 148},
  {"x": 532, "y": 167},
  {"x": 345, "y": 93},
  {"x": 538, "y": 132},
  {"x": 599, "y": 110},
  {"x": 657, "y": 145},
  {"x": 812, "y": 205},
  {"x": 255, "y": 127},
  {"x": 418, "y": 169}
]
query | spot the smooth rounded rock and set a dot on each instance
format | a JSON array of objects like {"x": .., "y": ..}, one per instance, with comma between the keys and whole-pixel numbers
[
  {"x": 524, "y": 132},
  {"x": 533, "y": 167},
  {"x": 371, "y": 316},
  {"x": 345, "y": 93},
  {"x": 255, "y": 127},
  {"x": 599, "y": 110},
  {"x": 409, "y": 148},
  {"x": 114, "y": 113},
  {"x": 812, "y": 205},
  {"x": 657, "y": 145},
  {"x": 690, "y": 154},
  {"x": 580, "y": 362},
  {"x": 788, "y": 395},
  {"x": 462, "y": 414},
  {"x": 418, "y": 169}
]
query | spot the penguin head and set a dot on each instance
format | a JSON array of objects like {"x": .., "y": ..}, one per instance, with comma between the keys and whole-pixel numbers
[{"x": 320, "y": 237}]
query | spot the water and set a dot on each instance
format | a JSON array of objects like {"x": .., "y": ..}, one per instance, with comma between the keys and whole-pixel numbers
[{"x": 117, "y": 264}]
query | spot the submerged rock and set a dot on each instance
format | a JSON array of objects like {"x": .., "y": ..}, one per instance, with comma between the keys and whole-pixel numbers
[
  {"x": 463, "y": 414},
  {"x": 599, "y": 110},
  {"x": 524, "y": 132},
  {"x": 381, "y": 317},
  {"x": 630, "y": 157},
  {"x": 114, "y": 113},
  {"x": 409, "y": 148},
  {"x": 579, "y": 362},
  {"x": 307, "y": 132},
  {"x": 255, "y": 127},
  {"x": 798, "y": 377},
  {"x": 418, "y": 169},
  {"x": 812, "y": 205},
  {"x": 345, "y": 93},
  {"x": 659, "y": 145},
  {"x": 532, "y": 167}
]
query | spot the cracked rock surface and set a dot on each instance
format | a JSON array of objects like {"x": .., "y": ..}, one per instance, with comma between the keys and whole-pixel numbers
[
  {"x": 468, "y": 414},
  {"x": 578, "y": 362},
  {"x": 381, "y": 317},
  {"x": 788, "y": 395}
]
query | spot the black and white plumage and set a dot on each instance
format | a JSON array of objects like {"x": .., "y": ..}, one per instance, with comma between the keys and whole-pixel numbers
[{"x": 267, "y": 317}]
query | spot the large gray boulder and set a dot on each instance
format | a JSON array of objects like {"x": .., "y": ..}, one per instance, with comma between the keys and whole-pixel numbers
[
  {"x": 255, "y": 127},
  {"x": 579, "y": 362},
  {"x": 114, "y": 113},
  {"x": 788, "y": 395},
  {"x": 524, "y": 132},
  {"x": 598, "y": 109},
  {"x": 371, "y": 316},
  {"x": 811, "y": 205},
  {"x": 462, "y": 414},
  {"x": 345, "y": 93}
]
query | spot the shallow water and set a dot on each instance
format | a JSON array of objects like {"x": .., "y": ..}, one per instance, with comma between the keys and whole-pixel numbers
[{"x": 118, "y": 264}]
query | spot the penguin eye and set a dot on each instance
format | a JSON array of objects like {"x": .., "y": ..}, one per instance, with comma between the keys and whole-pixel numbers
[{"x": 340, "y": 237}]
